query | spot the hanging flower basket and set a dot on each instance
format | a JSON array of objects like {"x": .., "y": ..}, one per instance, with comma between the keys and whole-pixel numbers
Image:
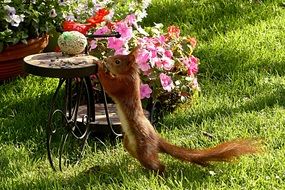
[{"x": 11, "y": 59}]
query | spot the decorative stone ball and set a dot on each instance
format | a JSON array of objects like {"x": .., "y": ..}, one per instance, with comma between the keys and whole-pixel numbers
[{"x": 72, "y": 42}]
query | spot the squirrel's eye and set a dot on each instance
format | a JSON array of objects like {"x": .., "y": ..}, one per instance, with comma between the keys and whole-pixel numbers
[{"x": 117, "y": 61}]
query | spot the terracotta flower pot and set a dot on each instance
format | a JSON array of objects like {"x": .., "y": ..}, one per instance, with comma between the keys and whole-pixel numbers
[{"x": 11, "y": 59}]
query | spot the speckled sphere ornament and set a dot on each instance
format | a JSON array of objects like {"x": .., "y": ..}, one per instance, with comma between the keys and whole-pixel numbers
[{"x": 72, "y": 42}]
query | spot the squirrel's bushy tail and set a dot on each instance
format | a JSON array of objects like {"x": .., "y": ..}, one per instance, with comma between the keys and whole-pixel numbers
[{"x": 226, "y": 151}]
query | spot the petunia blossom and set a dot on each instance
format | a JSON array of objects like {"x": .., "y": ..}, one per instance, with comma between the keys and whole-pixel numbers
[
  {"x": 131, "y": 19},
  {"x": 102, "y": 30},
  {"x": 142, "y": 59},
  {"x": 11, "y": 11},
  {"x": 11, "y": 16},
  {"x": 166, "y": 82},
  {"x": 121, "y": 51},
  {"x": 125, "y": 30},
  {"x": 115, "y": 43},
  {"x": 52, "y": 13},
  {"x": 145, "y": 91}
]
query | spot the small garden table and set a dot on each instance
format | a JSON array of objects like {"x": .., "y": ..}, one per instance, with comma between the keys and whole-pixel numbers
[{"x": 77, "y": 113}]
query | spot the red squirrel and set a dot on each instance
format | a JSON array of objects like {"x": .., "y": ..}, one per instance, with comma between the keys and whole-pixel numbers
[{"x": 120, "y": 79}]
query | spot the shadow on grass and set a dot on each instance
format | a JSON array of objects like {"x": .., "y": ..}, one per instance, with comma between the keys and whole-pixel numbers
[
  {"x": 23, "y": 123},
  {"x": 25, "y": 119},
  {"x": 115, "y": 175}
]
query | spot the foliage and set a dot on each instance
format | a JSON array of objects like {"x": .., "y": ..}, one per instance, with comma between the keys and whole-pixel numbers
[{"x": 21, "y": 20}]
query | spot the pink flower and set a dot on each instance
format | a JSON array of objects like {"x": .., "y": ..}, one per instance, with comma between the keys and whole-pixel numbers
[
  {"x": 150, "y": 46},
  {"x": 115, "y": 43},
  {"x": 145, "y": 91},
  {"x": 168, "y": 53},
  {"x": 103, "y": 30},
  {"x": 160, "y": 50},
  {"x": 121, "y": 51},
  {"x": 195, "y": 84},
  {"x": 162, "y": 39},
  {"x": 192, "y": 65},
  {"x": 93, "y": 44},
  {"x": 125, "y": 31},
  {"x": 131, "y": 19},
  {"x": 166, "y": 82},
  {"x": 142, "y": 59},
  {"x": 165, "y": 63},
  {"x": 158, "y": 40}
]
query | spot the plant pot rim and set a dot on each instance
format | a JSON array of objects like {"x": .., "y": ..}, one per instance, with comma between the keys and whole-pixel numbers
[
  {"x": 10, "y": 52},
  {"x": 29, "y": 42}
]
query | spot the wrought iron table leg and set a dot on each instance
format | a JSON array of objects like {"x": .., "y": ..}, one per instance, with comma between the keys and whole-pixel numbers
[
  {"x": 71, "y": 127},
  {"x": 50, "y": 131},
  {"x": 107, "y": 112}
]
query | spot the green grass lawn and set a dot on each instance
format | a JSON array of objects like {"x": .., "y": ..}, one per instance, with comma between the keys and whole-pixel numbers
[{"x": 241, "y": 49}]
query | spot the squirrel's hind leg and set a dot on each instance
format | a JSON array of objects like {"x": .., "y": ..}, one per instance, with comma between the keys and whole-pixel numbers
[{"x": 150, "y": 160}]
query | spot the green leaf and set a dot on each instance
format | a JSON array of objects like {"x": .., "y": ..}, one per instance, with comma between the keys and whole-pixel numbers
[{"x": 25, "y": 35}]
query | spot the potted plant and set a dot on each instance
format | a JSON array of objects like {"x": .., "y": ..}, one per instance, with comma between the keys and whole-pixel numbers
[{"x": 25, "y": 26}]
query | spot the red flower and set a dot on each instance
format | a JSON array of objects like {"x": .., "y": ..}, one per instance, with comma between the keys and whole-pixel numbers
[
  {"x": 91, "y": 22},
  {"x": 73, "y": 26},
  {"x": 192, "y": 41},
  {"x": 98, "y": 17},
  {"x": 103, "y": 12},
  {"x": 173, "y": 31}
]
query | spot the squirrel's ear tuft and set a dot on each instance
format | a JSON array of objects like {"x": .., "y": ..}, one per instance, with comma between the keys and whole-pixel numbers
[
  {"x": 132, "y": 58},
  {"x": 132, "y": 55},
  {"x": 135, "y": 51}
]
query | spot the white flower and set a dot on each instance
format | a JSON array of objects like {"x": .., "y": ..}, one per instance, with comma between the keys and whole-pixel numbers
[
  {"x": 11, "y": 16},
  {"x": 140, "y": 15},
  {"x": 17, "y": 19},
  {"x": 146, "y": 3},
  {"x": 141, "y": 30},
  {"x": 183, "y": 99},
  {"x": 63, "y": 2},
  {"x": 177, "y": 83},
  {"x": 52, "y": 13},
  {"x": 189, "y": 78},
  {"x": 132, "y": 6},
  {"x": 69, "y": 17},
  {"x": 11, "y": 11}
]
